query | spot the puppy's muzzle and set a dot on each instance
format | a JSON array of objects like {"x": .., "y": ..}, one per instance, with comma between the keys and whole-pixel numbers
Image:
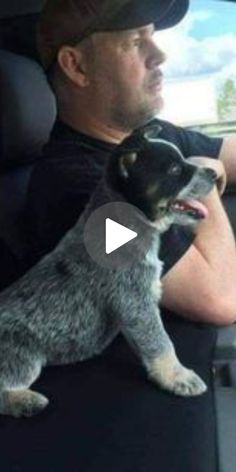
[{"x": 187, "y": 202}]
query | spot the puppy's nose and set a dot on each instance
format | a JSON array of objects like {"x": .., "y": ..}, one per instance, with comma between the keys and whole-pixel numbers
[{"x": 211, "y": 173}]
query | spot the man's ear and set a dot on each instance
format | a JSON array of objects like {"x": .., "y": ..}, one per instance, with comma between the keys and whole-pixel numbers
[
  {"x": 125, "y": 163},
  {"x": 71, "y": 61}
]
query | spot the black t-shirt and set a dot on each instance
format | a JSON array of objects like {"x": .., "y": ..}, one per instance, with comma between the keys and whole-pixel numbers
[
  {"x": 65, "y": 177},
  {"x": 10, "y": 267}
]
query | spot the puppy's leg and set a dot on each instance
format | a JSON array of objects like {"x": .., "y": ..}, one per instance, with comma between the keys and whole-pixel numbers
[
  {"x": 143, "y": 328},
  {"x": 19, "y": 368},
  {"x": 169, "y": 373}
]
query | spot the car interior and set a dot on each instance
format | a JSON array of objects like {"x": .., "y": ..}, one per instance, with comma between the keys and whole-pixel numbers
[{"x": 104, "y": 416}]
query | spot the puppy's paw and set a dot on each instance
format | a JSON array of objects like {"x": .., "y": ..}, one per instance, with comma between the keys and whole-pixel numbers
[
  {"x": 186, "y": 383},
  {"x": 19, "y": 403},
  {"x": 171, "y": 375}
]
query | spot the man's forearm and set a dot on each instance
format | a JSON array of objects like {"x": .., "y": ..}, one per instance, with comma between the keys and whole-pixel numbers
[
  {"x": 215, "y": 241},
  {"x": 228, "y": 157}
]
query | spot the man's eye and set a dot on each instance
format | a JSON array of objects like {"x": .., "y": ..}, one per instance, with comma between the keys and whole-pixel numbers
[
  {"x": 175, "y": 170},
  {"x": 137, "y": 42}
]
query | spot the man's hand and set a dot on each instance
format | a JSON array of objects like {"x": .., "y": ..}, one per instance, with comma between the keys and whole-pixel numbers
[
  {"x": 214, "y": 164},
  {"x": 228, "y": 157}
]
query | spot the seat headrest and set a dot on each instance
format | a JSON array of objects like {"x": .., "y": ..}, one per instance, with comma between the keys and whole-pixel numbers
[
  {"x": 27, "y": 109},
  {"x": 14, "y": 8}
]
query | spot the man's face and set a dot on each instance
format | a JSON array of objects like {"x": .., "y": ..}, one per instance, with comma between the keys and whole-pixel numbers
[{"x": 125, "y": 78}]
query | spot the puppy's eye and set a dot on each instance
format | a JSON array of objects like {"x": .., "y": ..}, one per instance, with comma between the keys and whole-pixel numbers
[{"x": 175, "y": 170}]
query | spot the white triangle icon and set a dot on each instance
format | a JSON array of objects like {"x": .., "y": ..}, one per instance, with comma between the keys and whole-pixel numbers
[{"x": 117, "y": 235}]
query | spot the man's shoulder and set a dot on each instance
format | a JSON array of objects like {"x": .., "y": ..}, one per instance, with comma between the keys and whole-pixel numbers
[
  {"x": 60, "y": 186},
  {"x": 69, "y": 157},
  {"x": 70, "y": 143}
]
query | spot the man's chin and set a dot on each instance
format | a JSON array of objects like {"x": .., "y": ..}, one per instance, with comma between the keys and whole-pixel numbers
[
  {"x": 153, "y": 111},
  {"x": 141, "y": 116},
  {"x": 158, "y": 104}
]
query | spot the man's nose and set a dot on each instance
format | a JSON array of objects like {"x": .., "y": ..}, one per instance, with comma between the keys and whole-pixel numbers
[{"x": 156, "y": 56}]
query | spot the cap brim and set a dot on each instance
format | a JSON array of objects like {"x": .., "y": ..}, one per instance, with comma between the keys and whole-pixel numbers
[
  {"x": 173, "y": 15},
  {"x": 136, "y": 13}
]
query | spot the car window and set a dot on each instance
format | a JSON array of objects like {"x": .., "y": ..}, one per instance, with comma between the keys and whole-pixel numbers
[{"x": 200, "y": 71}]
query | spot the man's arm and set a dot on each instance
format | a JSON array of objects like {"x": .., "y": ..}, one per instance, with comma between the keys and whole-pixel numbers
[
  {"x": 202, "y": 285},
  {"x": 228, "y": 157}
]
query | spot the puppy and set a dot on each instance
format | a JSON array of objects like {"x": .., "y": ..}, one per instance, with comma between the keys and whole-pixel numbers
[{"x": 67, "y": 308}]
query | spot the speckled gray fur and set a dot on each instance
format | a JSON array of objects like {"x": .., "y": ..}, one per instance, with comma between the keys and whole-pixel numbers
[{"x": 67, "y": 308}]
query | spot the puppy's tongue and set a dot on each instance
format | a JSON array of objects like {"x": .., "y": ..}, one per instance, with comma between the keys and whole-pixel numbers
[{"x": 196, "y": 208}]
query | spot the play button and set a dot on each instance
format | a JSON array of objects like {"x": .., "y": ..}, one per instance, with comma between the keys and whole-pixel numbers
[{"x": 116, "y": 235}]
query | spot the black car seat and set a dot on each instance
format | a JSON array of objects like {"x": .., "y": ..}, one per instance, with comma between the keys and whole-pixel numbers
[{"x": 27, "y": 112}]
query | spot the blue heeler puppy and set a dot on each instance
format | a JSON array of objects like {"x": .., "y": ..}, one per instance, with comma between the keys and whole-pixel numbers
[{"x": 67, "y": 308}]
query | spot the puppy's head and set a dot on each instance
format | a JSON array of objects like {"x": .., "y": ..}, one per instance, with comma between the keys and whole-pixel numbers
[{"x": 153, "y": 175}]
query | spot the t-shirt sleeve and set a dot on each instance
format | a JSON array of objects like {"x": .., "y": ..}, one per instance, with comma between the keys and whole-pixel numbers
[
  {"x": 174, "y": 244},
  {"x": 191, "y": 143}
]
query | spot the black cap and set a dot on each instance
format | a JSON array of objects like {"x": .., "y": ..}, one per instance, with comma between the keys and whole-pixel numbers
[
  {"x": 67, "y": 22},
  {"x": 134, "y": 13}
]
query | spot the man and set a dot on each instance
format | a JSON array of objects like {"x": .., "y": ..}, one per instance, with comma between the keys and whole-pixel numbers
[{"x": 104, "y": 68}]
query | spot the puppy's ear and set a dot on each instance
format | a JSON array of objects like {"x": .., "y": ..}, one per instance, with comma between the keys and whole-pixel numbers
[
  {"x": 125, "y": 163},
  {"x": 152, "y": 131}
]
